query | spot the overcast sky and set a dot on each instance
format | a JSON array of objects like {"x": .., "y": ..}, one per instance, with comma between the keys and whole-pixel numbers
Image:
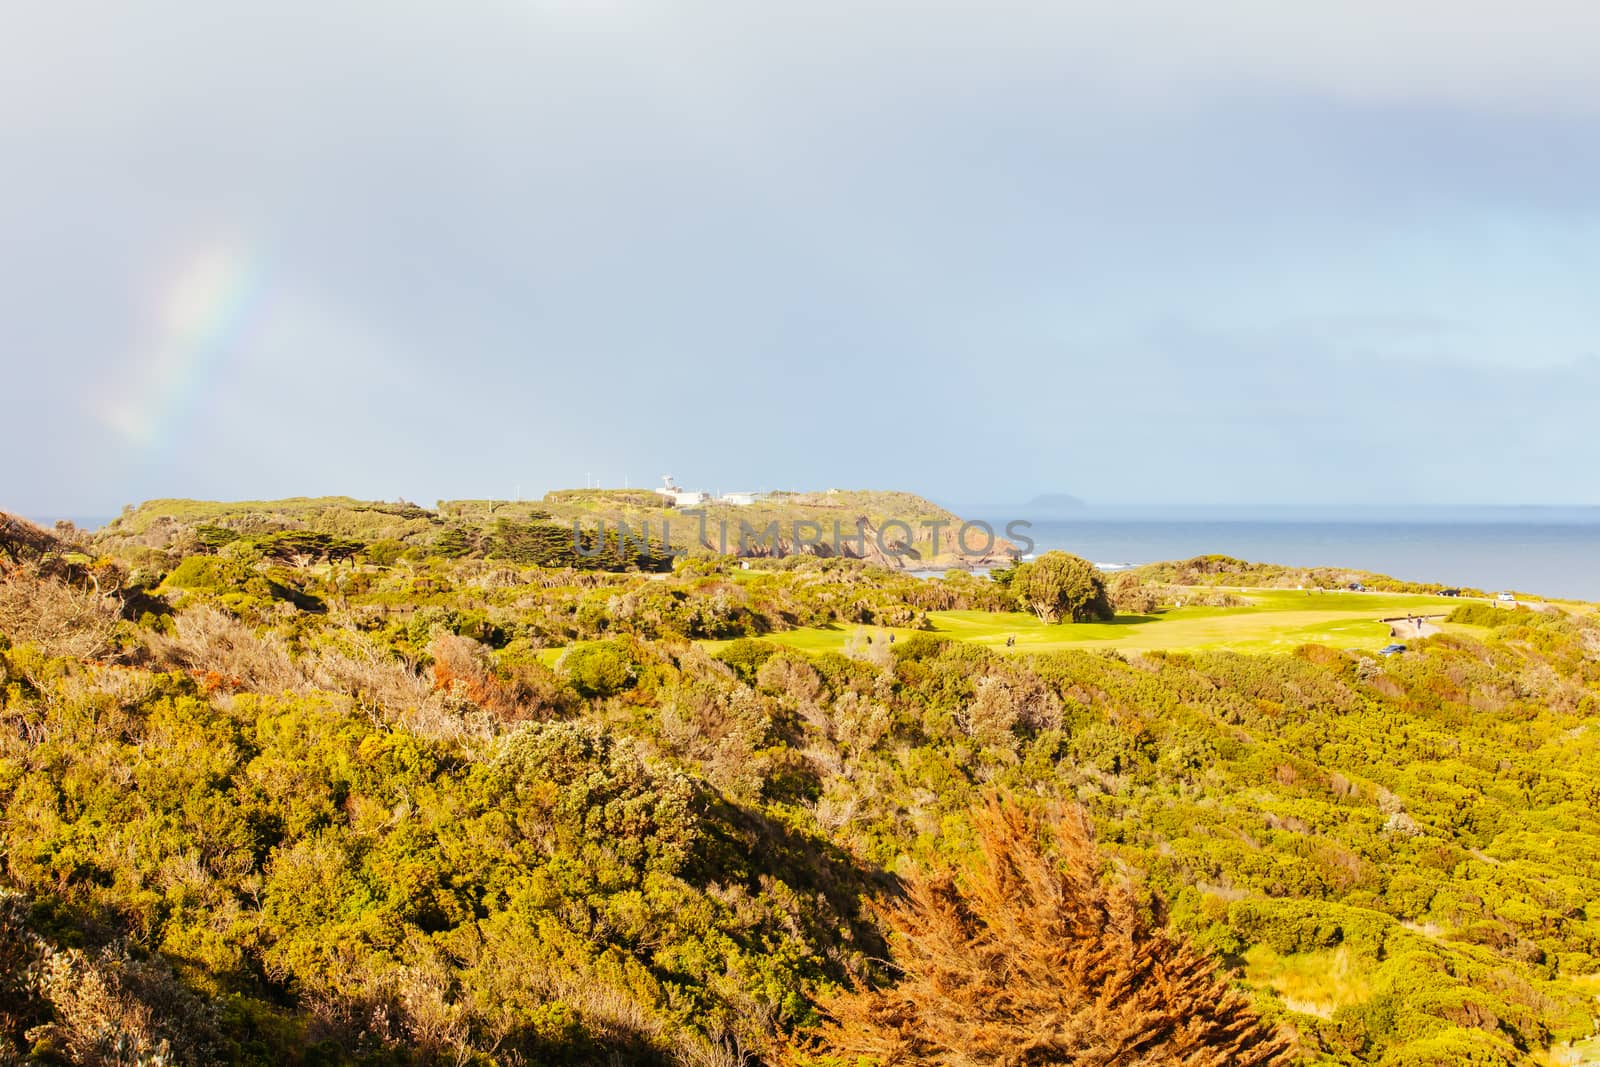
[{"x": 1147, "y": 252}]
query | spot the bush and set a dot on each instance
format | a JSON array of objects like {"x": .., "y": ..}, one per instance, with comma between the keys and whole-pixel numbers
[
  {"x": 746, "y": 656},
  {"x": 1029, "y": 950},
  {"x": 1130, "y": 596},
  {"x": 600, "y": 668},
  {"x": 1489, "y": 615}
]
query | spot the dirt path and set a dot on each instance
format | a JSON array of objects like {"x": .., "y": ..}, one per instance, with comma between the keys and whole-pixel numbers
[{"x": 1414, "y": 626}]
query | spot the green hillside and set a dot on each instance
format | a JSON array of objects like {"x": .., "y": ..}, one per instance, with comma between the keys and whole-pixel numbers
[
  {"x": 888, "y": 528},
  {"x": 281, "y": 794}
]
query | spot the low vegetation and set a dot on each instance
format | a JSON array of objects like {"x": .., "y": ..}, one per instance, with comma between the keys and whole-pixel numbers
[
  {"x": 271, "y": 799},
  {"x": 1215, "y": 570},
  {"x": 630, "y": 529},
  {"x": 1028, "y": 956}
]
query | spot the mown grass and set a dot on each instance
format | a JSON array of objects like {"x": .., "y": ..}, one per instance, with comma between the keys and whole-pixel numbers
[{"x": 1274, "y": 620}]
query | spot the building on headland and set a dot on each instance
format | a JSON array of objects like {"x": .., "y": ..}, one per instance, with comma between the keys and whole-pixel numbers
[
  {"x": 681, "y": 497},
  {"x": 693, "y": 498}
]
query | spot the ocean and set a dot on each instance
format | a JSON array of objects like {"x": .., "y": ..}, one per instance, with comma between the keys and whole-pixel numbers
[{"x": 1550, "y": 552}]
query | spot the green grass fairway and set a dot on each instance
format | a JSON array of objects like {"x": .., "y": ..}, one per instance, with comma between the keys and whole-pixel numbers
[{"x": 1276, "y": 620}]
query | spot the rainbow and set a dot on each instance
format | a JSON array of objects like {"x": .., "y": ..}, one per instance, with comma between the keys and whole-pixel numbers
[{"x": 196, "y": 318}]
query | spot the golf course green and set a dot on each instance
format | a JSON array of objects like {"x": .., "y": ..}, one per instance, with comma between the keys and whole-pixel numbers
[{"x": 1272, "y": 620}]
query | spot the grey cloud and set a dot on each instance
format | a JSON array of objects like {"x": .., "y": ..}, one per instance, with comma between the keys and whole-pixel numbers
[{"x": 514, "y": 243}]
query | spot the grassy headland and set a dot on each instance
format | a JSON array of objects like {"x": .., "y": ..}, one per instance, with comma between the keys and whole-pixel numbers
[{"x": 888, "y": 528}]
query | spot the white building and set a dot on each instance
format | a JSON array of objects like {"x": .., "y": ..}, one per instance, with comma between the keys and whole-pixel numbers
[
  {"x": 681, "y": 497},
  {"x": 693, "y": 498}
]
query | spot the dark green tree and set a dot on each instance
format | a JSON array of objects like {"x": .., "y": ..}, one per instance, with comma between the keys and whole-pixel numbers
[{"x": 1059, "y": 586}]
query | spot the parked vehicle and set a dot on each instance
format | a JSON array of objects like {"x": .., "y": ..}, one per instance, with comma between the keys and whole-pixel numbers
[
  {"x": 1389, "y": 650},
  {"x": 1510, "y": 598}
]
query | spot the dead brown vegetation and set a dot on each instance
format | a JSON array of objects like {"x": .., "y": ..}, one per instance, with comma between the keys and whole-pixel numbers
[
  {"x": 1030, "y": 957},
  {"x": 21, "y": 540},
  {"x": 65, "y": 615}
]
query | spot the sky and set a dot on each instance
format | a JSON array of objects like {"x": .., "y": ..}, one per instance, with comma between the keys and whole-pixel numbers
[{"x": 1146, "y": 253}]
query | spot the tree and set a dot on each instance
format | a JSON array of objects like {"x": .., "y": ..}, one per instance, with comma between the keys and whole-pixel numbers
[
  {"x": 1030, "y": 958},
  {"x": 1059, "y": 586},
  {"x": 302, "y": 547}
]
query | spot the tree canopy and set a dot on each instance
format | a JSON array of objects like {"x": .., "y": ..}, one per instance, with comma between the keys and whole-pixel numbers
[{"x": 1061, "y": 587}]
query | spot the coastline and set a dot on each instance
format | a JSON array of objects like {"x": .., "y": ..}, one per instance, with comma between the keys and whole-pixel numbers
[{"x": 1559, "y": 558}]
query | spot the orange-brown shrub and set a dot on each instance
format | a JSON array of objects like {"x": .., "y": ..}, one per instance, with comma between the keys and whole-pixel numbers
[{"x": 1030, "y": 957}]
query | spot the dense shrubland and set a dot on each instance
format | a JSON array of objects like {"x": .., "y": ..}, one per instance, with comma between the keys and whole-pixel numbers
[
  {"x": 1225, "y": 570},
  {"x": 309, "y": 807},
  {"x": 592, "y": 529}
]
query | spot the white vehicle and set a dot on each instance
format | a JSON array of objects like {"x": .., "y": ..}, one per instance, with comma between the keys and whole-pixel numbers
[{"x": 1510, "y": 597}]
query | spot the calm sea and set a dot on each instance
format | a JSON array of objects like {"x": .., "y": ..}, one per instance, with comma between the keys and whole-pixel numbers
[{"x": 1550, "y": 552}]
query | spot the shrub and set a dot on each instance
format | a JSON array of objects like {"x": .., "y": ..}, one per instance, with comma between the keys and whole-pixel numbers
[
  {"x": 63, "y": 618},
  {"x": 600, "y": 668},
  {"x": 746, "y": 655},
  {"x": 1489, "y": 615},
  {"x": 1029, "y": 958}
]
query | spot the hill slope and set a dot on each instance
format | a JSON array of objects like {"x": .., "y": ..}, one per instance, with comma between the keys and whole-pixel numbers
[
  {"x": 289, "y": 805},
  {"x": 888, "y": 528}
]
